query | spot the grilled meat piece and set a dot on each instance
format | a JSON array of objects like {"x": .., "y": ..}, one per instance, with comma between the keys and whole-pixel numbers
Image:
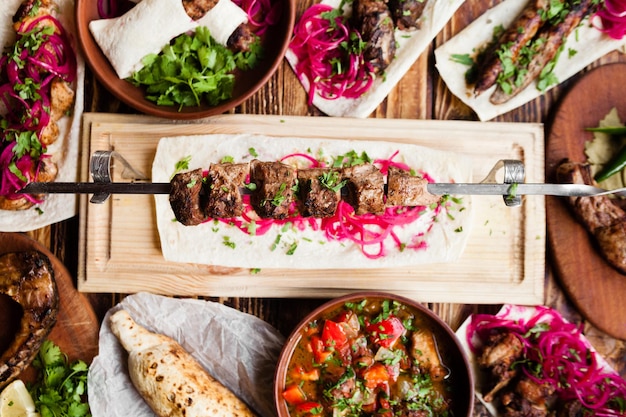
[
  {"x": 196, "y": 9},
  {"x": 550, "y": 39},
  {"x": 224, "y": 198},
  {"x": 404, "y": 189},
  {"x": 514, "y": 38},
  {"x": 316, "y": 195},
  {"x": 425, "y": 351},
  {"x": 528, "y": 399},
  {"x": 406, "y": 13},
  {"x": 501, "y": 351},
  {"x": 45, "y": 171},
  {"x": 365, "y": 188},
  {"x": 186, "y": 197},
  {"x": 274, "y": 188},
  {"x": 374, "y": 22},
  {"x": 30, "y": 10},
  {"x": 241, "y": 39},
  {"x": 599, "y": 215},
  {"x": 28, "y": 279}
]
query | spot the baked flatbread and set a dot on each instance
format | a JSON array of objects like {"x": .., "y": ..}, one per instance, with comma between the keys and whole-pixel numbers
[
  {"x": 64, "y": 151},
  {"x": 218, "y": 243},
  {"x": 586, "y": 44},
  {"x": 410, "y": 45}
]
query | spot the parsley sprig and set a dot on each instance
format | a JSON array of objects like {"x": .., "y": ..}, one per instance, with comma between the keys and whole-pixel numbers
[
  {"x": 61, "y": 387},
  {"x": 194, "y": 69}
]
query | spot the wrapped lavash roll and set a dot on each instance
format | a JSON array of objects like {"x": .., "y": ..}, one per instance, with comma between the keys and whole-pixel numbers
[{"x": 151, "y": 24}]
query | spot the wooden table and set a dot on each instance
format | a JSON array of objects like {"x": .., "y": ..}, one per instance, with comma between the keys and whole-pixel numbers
[{"x": 420, "y": 95}]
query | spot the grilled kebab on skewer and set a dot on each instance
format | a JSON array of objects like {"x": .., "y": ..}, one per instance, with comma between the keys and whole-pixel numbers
[
  {"x": 604, "y": 219},
  {"x": 316, "y": 192}
]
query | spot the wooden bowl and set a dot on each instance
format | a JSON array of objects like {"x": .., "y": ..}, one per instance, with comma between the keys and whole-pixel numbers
[
  {"x": 459, "y": 378},
  {"x": 275, "y": 43}
]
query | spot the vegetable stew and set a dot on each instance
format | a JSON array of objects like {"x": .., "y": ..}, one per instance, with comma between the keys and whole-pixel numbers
[{"x": 371, "y": 357}]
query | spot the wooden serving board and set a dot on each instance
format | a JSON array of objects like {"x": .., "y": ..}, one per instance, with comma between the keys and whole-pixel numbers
[
  {"x": 596, "y": 289},
  {"x": 77, "y": 327},
  {"x": 503, "y": 262}
]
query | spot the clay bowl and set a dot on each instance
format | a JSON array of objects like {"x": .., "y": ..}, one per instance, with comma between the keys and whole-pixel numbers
[
  {"x": 275, "y": 43},
  {"x": 450, "y": 366}
]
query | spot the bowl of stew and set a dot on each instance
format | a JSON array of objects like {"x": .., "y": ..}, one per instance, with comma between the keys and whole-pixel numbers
[
  {"x": 272, "y": 25},
  {"x": 373, "y": 353}
]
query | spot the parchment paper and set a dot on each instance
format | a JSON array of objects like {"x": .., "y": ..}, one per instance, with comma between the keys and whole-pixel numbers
[
  {"x": 64, "y": 151},
  {"x": 586, "y": 44},
  {"x": 238, "y": 349}
]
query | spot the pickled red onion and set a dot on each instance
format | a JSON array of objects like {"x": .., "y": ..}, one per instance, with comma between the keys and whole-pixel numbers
[
  {"x": 612, "y": 15},
  {"x": 332, "y": 68},
  {"x": 25, "y": 94}
]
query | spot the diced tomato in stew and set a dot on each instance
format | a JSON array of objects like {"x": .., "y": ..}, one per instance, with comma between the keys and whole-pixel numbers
[
  {"x": 309, "y": 408},
  {"x": 294, "y": 395},
  {"x": 386, "y": 332}
]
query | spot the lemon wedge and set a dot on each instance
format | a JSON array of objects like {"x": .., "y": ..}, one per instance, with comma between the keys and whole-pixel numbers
[{"x": 15, "y": 401}]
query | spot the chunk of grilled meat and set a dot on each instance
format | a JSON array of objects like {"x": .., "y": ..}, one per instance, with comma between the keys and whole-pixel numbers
[
  {"x": 45, "y": 171},
  {"x": 241, "y": 39},
  {"x": 373, "y": 20},
  {"x": 406, "y": 13},
  {"x": 274, "y": 188},
  {"x": 28, "y": 279},
  {"x": 426, "y": 353},
  {"x": 514, "y": 38},
  {"x": 317, "y": 197},
  {"x": 549, "y": 40},
  {"x": 30, "y": 10},
  {"x": 404, "y": 189},
  {"x": 365, "y": 188},
  {"x": 605, "y": 220},
  {"x": 501, "y": 351},
  {"x": 224, "y": 198},
  {"x": 528, "y": 399},
  {"x": 196, "y": 9},
  {"x": 186, "y": 197}
]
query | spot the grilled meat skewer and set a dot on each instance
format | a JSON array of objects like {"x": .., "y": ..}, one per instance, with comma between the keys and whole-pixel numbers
[
  {"x": 548, "y": 42},
  {"x": 599, "y": 215},
  {"x": 514, "y": 38},
  {"x": 317, "y": 191}
]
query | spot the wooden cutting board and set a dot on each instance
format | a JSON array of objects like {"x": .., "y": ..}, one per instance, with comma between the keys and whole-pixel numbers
[
  {"x": 504, "y": 261},
  {"x": 77, "y": 327},
  {"x": 596, "y": 289}
]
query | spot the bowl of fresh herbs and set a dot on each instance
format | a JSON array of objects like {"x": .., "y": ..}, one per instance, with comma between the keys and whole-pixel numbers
[{"x": 195, "y": 75}]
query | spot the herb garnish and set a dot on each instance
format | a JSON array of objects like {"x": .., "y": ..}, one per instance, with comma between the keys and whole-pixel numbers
[{"x": 61, "y": 390}]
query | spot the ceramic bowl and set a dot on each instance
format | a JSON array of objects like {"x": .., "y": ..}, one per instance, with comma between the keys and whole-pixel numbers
[
  {"x": 454, "y": 370},
  {"x": 275, "y": 43}
]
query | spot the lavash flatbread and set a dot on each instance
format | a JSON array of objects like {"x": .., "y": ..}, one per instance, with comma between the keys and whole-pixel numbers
[
  {"x": 151, "y": 24},
  {"x": 205, "y": 243},
  {"x": 410, "y": 45},
  {"x": 64, "y": 151},
  {"x": 588, "y": 43}
]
